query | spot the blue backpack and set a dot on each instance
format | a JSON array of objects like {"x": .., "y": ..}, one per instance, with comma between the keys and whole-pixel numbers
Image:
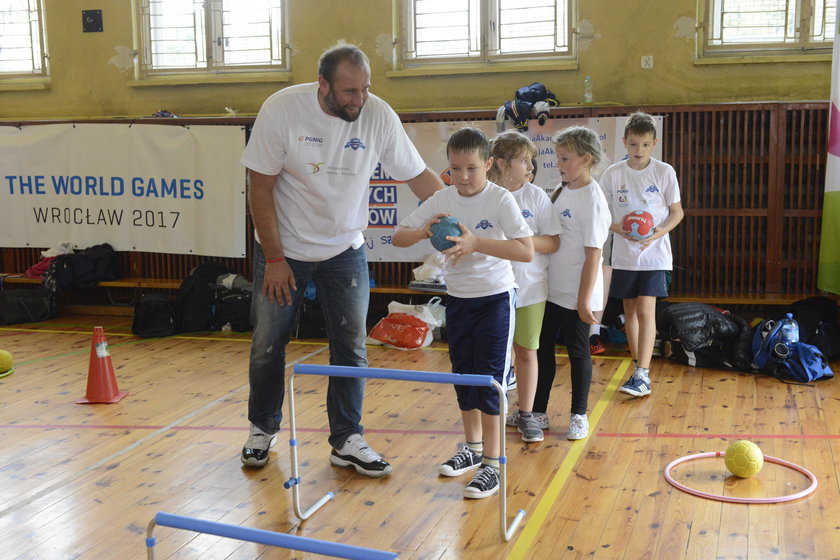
[{"x": 800, "y": 363}]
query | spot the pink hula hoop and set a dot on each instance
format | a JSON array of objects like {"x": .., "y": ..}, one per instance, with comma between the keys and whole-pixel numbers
[{"x": 772, "y": 500}]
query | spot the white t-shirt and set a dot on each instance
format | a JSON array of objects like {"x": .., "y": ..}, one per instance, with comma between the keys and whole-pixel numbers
[
  {"x": 532, "y": 277},
  {"x": 653, "y": 189},
  {"x": 324, "y": 165},
  {"x": 492, "y": 213},
  {"x": 585, "y": 217}
]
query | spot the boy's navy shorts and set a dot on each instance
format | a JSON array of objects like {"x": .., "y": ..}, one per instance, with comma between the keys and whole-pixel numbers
[
  {"x": 480, "y": 333},
  {"x": 629, "y": 284}
]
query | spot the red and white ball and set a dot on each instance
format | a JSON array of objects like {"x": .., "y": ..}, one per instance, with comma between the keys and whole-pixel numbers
[{"x": 638, "y": 224}]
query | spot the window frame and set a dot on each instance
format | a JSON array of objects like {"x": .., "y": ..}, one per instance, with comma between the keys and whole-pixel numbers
[
  {"x": 43, "y": 72},
  {"x": 488, "y": 40},
  {"x": 214, "y": 29},
  {"x": 802, "y": 43}
]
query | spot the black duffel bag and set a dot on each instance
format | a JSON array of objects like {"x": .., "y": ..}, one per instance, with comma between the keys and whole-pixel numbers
[{"x": 25, "y": 306}]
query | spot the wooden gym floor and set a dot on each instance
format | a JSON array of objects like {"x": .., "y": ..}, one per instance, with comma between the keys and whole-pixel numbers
[{"x": 83, "y": 481}]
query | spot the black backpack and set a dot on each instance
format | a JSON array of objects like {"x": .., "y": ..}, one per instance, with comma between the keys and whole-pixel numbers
[
  {"x": 83, "y": 269},
  {"x": 231, "y": 307},
  {"x": 194, "y": 299},
  {"x": 154, "y": 316}
]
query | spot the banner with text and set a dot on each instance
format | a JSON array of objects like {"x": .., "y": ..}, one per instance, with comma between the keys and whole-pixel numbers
[
  {"x": 157, "y": 188},
  {"x": 390, "y": 201}
]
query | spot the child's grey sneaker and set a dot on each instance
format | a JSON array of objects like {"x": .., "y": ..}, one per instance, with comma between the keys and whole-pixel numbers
[
  {"x": 578, "y": 427},
  {"x": 485, "y": 483},
  {"x": 464, "y": 460},
  {"x": 637, "y": 386},
  {"x": 255, "y": 451},
  {"x": 357, "y": 453},
  {"x": 529, "y": 428},
  {"x": 542, "y": 419}
]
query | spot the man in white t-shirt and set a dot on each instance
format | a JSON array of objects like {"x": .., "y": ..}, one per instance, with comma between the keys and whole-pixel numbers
[{"x": 310, "y": 156}]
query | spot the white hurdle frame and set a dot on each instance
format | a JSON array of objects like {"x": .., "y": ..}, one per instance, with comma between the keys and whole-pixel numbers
[{"x": 398, "y": 375}]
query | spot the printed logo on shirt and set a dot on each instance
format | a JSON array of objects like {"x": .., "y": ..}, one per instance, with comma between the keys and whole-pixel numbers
[
  {"x": 316, "y": 168},
  {"x": 484, "y": 224},
  {"x": 652, "y": 189},
  {"x": 355, "y": 143},
  {"x": 566, "y": 213},
  {"x": 527, "y": 213},
  {"x": 622, "y": 193},
  {"x": 314, "y": 141}
]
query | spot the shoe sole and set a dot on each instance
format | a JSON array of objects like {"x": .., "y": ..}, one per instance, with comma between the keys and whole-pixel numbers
[
  {"x": 256, "y": 463},
  {"x": 479, "y": 495},
  {"x": 570, "y": 437},
  {"x": 339, "y": 462},
  {"x": 442, "y": 470},
  {"x": 534, "y": 439}
]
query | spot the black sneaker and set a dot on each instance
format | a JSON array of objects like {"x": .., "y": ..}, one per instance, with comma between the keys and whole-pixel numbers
[
  {"x": 511, "y": 379},
  {"x": 484, "y": 483},
  {"x": 255, "y": 452},
  {"x": 357, "y": 454},
  {"x": 464, "y": 460}
]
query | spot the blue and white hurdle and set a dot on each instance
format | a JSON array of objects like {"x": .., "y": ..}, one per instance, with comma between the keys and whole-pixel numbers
[
  {"x": 260, "y": 536},
  {"x": 399, "y": 375}
]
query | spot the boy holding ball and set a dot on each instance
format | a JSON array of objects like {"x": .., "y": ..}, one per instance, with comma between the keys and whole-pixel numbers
[
  {"x": 641, "y": 183},
  {"x": 481, "y": 297}
]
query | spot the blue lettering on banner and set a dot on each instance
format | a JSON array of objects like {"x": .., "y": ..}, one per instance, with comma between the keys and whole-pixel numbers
[
  {"x": 379, "y": 174},
  {"x": 382, "y": 194},
  {"x": 386, "y": 240},
  {"x": 382, "y": 217}
]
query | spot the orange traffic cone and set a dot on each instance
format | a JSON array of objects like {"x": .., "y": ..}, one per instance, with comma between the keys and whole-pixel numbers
[{"x": 101, "y": 383}]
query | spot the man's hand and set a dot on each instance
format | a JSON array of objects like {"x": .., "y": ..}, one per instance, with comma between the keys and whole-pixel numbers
[{"x": 279, "y": 282}]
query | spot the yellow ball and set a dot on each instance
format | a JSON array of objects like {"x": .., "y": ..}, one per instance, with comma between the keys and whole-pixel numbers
[
  {"x": 5, "y": 361},
  {"x": 744, "y": 459}
]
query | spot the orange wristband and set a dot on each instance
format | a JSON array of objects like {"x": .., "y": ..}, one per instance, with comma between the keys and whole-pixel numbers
[{"x": 277, "y": 260}]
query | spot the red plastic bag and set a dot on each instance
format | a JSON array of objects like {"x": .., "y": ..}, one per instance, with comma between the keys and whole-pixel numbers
[{"x": 402, "y": 331}]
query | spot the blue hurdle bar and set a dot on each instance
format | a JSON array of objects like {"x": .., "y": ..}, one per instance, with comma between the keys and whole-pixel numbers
[
  {"x": 399, "y": 375},
  {"x": 261, "y": 536}
]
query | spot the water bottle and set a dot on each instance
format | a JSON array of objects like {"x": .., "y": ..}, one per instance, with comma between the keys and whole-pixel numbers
[
  {"x": 789, "y": 333},
  {"x": 587, "y": 89}
]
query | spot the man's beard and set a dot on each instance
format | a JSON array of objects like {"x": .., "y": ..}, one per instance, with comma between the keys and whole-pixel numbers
[{"x": 340, "y": 112}]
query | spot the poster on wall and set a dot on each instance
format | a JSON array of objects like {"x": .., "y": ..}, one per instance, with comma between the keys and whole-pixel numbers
[
  {"x": 156, "y": 188},
  {"x": 390, "y": 201}
]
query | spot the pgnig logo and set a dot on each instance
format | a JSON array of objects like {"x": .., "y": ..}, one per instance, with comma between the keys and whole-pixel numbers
[
  {"x": 483, "y": 224},
  {"x": 355, "y": 144}
]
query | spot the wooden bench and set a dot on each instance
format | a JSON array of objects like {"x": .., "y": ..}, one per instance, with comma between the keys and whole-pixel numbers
[{"x": 739, "y": 299}]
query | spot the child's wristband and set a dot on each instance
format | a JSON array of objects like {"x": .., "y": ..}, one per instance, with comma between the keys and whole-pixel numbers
[{"x": 277, "y": 260}]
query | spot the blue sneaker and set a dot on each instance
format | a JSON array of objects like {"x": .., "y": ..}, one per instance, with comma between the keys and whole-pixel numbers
[{"x": 637, "y": 386}]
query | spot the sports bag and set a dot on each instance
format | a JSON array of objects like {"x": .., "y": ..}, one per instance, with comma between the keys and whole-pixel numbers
[
  {"x": 26, "y": 305},
  {"x": 194, "y": 299},
  {"x": 231, "y": 307},
  {"x": 154, "y": 316},
  {"x": 798, "y": 362},
  {"x": 83, "y": 269}
]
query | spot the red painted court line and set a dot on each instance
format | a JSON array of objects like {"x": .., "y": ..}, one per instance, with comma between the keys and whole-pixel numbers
[
  {"x": 721, "y": 436},
  {"x": 200, "y": 428}
]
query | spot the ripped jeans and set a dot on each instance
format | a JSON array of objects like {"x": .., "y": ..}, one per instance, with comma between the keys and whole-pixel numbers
[{"x": 344, "y": 291}]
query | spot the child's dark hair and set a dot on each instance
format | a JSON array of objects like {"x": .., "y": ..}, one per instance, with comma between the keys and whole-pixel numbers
[
  {"x": 508, "y": 145},
  {"x": 469, "y": 140},
  {"x": 639, "y": 124},
  {"x": 582, "y": 141}
]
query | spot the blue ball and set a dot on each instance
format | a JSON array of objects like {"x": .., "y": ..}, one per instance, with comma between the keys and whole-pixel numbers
[{"x": 447, "y": 226}]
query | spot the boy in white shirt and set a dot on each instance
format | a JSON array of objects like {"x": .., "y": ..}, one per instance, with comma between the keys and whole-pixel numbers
[
  {"x": 481, "y": 297},
  {"x": 641, "y": 182}
]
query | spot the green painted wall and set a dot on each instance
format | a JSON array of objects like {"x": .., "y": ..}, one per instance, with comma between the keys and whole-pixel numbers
[{"x": 90, "y": 71}]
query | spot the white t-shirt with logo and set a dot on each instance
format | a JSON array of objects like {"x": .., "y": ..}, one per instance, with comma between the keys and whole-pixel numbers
[
  {"x": 532, "y": 277},
  {"x": 653, "y": 189},
  {"x": 324, "y": 165},
  {"x": 585, "y": 218},
  {"x": 492, "y": 213}
]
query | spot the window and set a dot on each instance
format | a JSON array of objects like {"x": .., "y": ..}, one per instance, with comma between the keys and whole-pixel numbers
[
  {"x": 759, "y": 26},
  {"x": 23, "y": 52},
  {"x": 485, "y": 30},
  {"x": 212, "y": 35}
]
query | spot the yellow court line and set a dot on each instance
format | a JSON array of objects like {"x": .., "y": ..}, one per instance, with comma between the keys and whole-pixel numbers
[{"x": 537, "y": 519}]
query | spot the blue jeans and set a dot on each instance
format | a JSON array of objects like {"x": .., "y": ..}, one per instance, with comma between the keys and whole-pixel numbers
[{"x": 343, "y": 291}]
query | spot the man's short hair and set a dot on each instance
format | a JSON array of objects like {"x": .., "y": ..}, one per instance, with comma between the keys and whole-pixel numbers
[
  {"x": 338, "y": 53},
  {"x": 468, "y": 140},
  {"x": 640, "y": 124}
]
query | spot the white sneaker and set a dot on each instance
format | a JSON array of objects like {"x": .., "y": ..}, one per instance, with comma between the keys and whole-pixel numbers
[
  {"x": 255, "y": 451},
  {"x": 357, "y": 453},
  {"x": 578, "y": 427}
]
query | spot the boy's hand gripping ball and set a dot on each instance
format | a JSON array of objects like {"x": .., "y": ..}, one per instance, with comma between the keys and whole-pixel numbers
[
  {"x": 638, "y": 224},
  {"x": 743, "y": 459},
  {"x": 447, "y": 226}
]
